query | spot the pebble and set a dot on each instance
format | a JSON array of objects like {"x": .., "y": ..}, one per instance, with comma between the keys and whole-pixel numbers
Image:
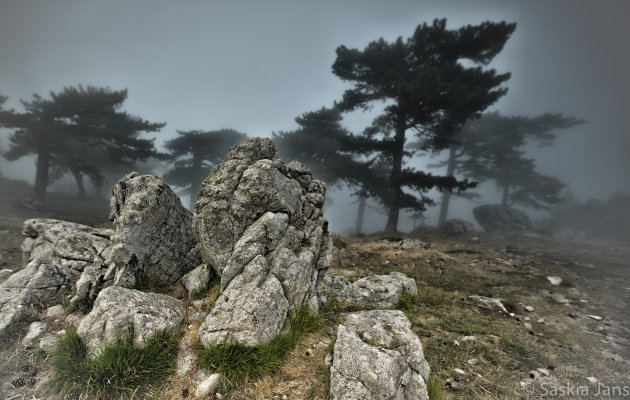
[
  {"x": 459, "y": 371},
  {"x": 54, "y": 311},
  {"x": 455, "y": 343},
  {"x": 208, "y": 385},
  {"x": 308, "y": 352},
  {"x": 592, "y": 379},
  {"x": 529, "y": 308},
  {"x": 526, "y": 319},
  {"x": 473, "y": 361},
  {"x": 543, "y": 371},
  {"x": 573, "y": 315},
  {"x": 595, "y": 317},
  {"x": 554, "y": 280},
  {"x": 540, "y": 320},
  {"x": 469, "y": 338},
  {"x": 527, "y": 325},
  {"x": 35, "y": 331}
]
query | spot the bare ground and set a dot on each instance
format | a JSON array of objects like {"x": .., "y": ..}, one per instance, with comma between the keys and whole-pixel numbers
[{"x": 501, "y": 362}]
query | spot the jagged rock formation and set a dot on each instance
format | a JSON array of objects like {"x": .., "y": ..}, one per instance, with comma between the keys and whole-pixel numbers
[
  {"x": 57, "y": 254},
  {"x": 457, "y": 226},
  {"x": 377, "y": 291},
  {"x": 494, "y": 217},
  {"x": 378, "y": 357},
  {"x": 121, "y": 311},
  {"x": 153, "y": 238},
  {"x": 258, "y": 222}
]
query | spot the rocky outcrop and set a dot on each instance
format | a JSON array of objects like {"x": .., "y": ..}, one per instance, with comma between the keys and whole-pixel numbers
[
  {"x": 153, "y": 238},
  {"x": 58, "y": 255},
  {"x": 377, "y": 291},
  {"x": 259, "y": 224},
  {"x": 377, "y": 356},
  {"x": 120, "y": 311},
  {"x": 494, "y": 217},
  {"x": 457, "y": 226}
]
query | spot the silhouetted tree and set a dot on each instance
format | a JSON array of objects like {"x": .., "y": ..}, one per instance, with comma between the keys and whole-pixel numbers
[
  {"x": 432, "y": 82},
  {"x": 491, "y": 148},
  {"x": 194, "y": 153},
  {"x": 81, "y": 131}
]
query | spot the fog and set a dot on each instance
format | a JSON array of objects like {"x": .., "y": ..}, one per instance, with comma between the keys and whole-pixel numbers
[{"x": 255, "y": 66}]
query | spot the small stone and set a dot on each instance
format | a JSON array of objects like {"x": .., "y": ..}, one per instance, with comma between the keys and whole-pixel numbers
[
  {"x": 54, "y": 311},
  {"x": 308, "y": 352},
  {"x": 573, "y": 315},
  {"x": 527, "y": 325},
  {"x": 455, "y": 343},
  {"x": 595, "y": 317},
  {"x": 495, "y": 339},
  {"x": 529, "y": 308},
  {"x": 48, "y": 343},
  {"x": 186, "y": 360},
  {"x": 284, "y": 397},
  {"x": 583, "y": 301},
  {"x": 473, "y": 361},
  {"x": 592, "y": 379},
  {"x": 35, "y": 331},
  {"x": 540, "y": 320},
  {"x": 512, "y": 315},
  {"x": 543, "y": 371},
  {"x": 207, "y": 385},
  {"x": 459, "y": 371},
  {"x": 554, "y": 280},
  {"x": 469, "y": 338},
  {"x": 200, "y": 376},
  {"x": 218, "y": 395},
  {"x": 328, "y": 360},
  {"x": 526, "y": 319},
  {"x": 75, "y": 319}
]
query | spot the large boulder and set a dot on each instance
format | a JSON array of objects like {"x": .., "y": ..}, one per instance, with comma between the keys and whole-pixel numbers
[
  {"x": 457, "y": 226},
  {"x": 153, "y": 238},
  {"x": 57, "y": 255},
  {"x": 119, "y": 311},
  {"x": 259, "y": 224},
  {"x": 377, "y": 356},
  {"x": 376, "y": 291},
  {"x": 494, "y": 217}
]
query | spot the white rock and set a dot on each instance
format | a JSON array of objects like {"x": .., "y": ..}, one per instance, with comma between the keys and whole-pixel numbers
[
  {"x": 207, "y": 386},
  {"x": 473, "y": 361},
  {"x": 196, "y": 281},
  {"x": 186, "y": 360},
  {"x": 35, "y": 331},
  {"x": 491, "y": 300},
  {"x": 411, "y": 245},
  {"x": 469, "y": 338},
  {"x": 48, "y": 342},
  {"x": 455, "y": 343},
  {"x": 543, "y": 371},
  {"x": 527, "y": 325},
  {"x": 554, "y": 280},
  {"x": 529, "y": 308},
  {"x": 54, "y": 311},
  {"x": 459, "y": 371},
  {"x": 595, "y": 317},
  {"x": 592, "y": 379}
]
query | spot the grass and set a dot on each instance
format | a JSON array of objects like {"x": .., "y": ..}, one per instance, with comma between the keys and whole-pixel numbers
[
  {"x": 121, "y": 370},
  {"x": 338, "y": 242},
  {"x": 239, "y": 364},
  {"x": 434, "y": 388}
]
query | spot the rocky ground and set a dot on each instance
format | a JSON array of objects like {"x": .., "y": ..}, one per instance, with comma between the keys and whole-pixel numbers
[{"x": 573, "y": 335}]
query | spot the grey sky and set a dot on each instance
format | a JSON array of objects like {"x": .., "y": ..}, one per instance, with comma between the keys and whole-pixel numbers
[{"x": 255, "y": 65}]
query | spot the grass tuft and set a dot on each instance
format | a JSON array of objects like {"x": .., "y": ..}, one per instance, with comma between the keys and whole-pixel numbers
[
  {"x": 239, "y": 364},
  {"x": 338, "y": 242},
  {"x": 434, "y": 388},
  {"x": 121, "y": 370},
  {"x": 406, "y": 302}
]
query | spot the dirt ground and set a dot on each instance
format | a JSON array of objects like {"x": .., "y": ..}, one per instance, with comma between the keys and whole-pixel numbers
[{"x": 558, "y": 344}]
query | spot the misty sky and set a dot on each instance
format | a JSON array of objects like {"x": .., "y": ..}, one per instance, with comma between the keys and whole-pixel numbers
[{"x": 256, "y": 65}]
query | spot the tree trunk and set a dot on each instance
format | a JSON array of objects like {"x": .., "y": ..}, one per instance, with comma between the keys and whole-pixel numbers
[
  {"x": 506, "y": 195},
  {"x": 41, "y": 174},
  {"x": 446, "y": 196},
  {"x": 358, "y": 227},
  {"x": 196, "y": 181},
  {"x": 78, "y": 177},
  {"x": 395, "y": 191}
]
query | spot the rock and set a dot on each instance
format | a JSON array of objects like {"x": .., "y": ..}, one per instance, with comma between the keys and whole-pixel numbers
[
  {"x": 457, "y": 226},
  {"x": 529, "y": 308},
  {"x": 543, "y": 371},
  {"x": 57, "y": 254},
  {"x": 199, "y": 376},
  {"x": 197, "y": 280},
  {"x": 119, "y": 311},
  {"x": 153, "y": 238},
  {"x": 573, "y": 315},
  {"x": 35, "y": 331},
  {"x": 198, "y": 316},
  {"x": 207, "y": 386},
  {"x": 558, "y": 298},
  {"x": 456, "y": 343},
  {"x": 490, "y": 300},
  {"x": 328, "y": 360},
  {"x": 372, "y": 292},
  {"x": 377, "y": 356},
  {"x": 472, "y": 361},
  {"x": 493, "y": 217},
  {"x": 469, "y": 338},
  {"x": 527, "y": 326},
  {"x": 595, "y": 317},
  {"x": 459, "y": 371},
  {"x": 411, "y": 245},
  {"x": 5, "y": 273},
  {"x": 186, "y": 360},
  {"x": 592, "y": 379},
  {"x": 259, "y": 224},
  {"x": 54, "y": 311},
  {"x": 75, "y": 319},
  {"x": 554, "y": 280},
  {"x": 48, "y": 343}
]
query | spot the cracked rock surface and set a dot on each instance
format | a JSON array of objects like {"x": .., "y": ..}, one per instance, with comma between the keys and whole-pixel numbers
[
  {"x": 120, "y": 311},
  {"x": 57, "y": 255},
  {"x": 153, "y": 237},
  {"x": 377, "y": 291},
  {"x": 377, "y": 356},
  {"x": 259, "y": 224}
]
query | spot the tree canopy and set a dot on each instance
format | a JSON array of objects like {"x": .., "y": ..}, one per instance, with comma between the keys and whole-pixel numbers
[
  {"x": 193, "y": 153},
  {"x": 80, "y": 130},
  {"x": 429, "y": 89}
]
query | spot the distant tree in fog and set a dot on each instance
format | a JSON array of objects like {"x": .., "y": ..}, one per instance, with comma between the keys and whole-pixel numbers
[
  {"x": 81, "y": 131},
  {"x": 491, "y": 148},
  {"x": 432, "y": 83},
  {"x": 333, "y": 155},
  {"x": 193, "y": 153}
]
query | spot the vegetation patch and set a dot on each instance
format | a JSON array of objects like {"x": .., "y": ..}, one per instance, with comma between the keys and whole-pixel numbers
[
  {"x": 122, "y": 369},
  {"x": 239, "y": 364}
]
